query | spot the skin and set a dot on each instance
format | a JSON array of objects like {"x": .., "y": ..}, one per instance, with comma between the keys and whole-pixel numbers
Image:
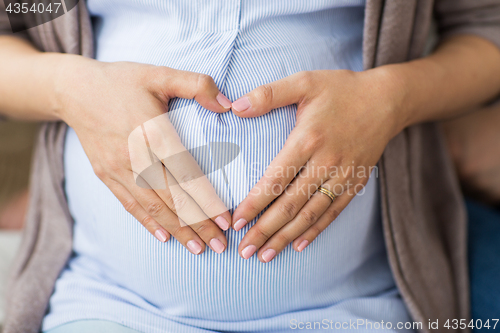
[{"x": 344, "y": 120}]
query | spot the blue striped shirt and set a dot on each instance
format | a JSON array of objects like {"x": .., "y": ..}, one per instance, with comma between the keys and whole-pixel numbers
[{"x": 119, "y": 272}]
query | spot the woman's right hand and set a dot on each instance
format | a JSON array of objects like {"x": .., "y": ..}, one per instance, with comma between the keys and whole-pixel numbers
[{"x": 110, "y": 105}]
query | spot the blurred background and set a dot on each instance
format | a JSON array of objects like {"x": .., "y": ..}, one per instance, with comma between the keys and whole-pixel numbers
[{"x": 16, "y": 146}]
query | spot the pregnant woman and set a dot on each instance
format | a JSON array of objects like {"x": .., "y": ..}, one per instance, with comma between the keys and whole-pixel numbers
[
  {"x": 120, "y": 273},
  {"x": 273, "y": 261}
]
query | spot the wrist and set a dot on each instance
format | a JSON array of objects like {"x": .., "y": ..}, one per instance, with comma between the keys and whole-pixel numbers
[
  {"x": 46, "y": 68},
  {"x": 391, "y": 94},
  {"x": 69, "y": 73}
]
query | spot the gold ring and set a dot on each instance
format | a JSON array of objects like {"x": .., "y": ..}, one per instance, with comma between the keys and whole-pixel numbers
[{"x": 327, "y": 192}]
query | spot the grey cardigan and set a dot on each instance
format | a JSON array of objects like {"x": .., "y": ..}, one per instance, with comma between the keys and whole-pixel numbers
[{"x": 423, "y": 215}]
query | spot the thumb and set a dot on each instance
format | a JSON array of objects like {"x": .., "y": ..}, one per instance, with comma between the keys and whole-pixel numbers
[
  {"x": 189, "y": 85},
  {"x": 263, "y": 99}
]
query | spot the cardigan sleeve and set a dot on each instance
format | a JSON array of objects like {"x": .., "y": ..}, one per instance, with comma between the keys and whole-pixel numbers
[{"x": 475, "y": 17}]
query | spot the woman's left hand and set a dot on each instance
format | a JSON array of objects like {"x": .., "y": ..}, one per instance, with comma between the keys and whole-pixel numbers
[{"x": 344, "y": 121}]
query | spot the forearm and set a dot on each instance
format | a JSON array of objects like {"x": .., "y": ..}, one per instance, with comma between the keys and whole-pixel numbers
[
  {"x": 463, "y": 73},
  {"x": 27, "y": 83}
]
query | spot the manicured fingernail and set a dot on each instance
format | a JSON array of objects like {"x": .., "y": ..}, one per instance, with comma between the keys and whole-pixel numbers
[
  {"x": 194, "y": 246},
  {"x": 268, "y": 255},
  {"x": 161, "y": 235},
  {"x": 248, "y": 251},
  {"x": 223, "y": 101},
  {"x": 302, "y": 245},
  {"x": 241, "y": 104},
  {"x": 222, "y": 223},
  {"x": 217, "y": 245},
  {"x": 239, "y": 224}
]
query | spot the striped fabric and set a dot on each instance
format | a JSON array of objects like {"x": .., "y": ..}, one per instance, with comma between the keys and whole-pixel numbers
[{"x": 121, "y": 273}]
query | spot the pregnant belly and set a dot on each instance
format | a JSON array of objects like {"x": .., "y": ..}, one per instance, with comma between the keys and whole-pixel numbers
[{"x": 113, "y": 247}]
